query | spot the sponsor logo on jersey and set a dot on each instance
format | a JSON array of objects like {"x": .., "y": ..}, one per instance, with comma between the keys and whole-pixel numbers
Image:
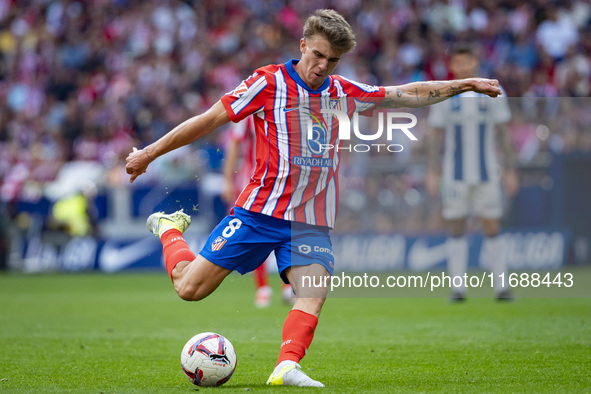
[
  {"x": 311, "y": 161},
  {"x": 218, "y": 243},
  {"x": 317, "y": 135}
]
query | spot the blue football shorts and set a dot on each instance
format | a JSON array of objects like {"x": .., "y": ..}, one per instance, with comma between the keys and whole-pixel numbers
[{"x": 244, "y": 240}]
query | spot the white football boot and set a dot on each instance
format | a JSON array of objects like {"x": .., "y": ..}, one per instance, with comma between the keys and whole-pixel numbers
[
  {"x": 289, "y": 373},
  {"x": 159, "y": 222}
]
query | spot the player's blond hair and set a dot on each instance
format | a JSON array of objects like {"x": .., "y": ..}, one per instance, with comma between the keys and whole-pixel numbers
[{"x": 332, "y": 26}]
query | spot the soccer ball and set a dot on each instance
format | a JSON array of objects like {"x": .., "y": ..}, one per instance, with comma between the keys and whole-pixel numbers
[{"x": 208, "y": 359}]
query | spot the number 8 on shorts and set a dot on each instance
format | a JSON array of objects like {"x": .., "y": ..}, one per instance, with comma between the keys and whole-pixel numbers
[{"x": 231, "y": 228}]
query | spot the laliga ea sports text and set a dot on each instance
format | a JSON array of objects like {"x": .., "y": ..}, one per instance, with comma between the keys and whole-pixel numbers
[{"x": 441, "y": 280}]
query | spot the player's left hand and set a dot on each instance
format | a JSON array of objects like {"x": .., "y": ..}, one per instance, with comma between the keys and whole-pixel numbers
[
  {"x": 511, "y": 183},
  {"x": 137, "y": 163},
  {"x": 490, "y": 87}
]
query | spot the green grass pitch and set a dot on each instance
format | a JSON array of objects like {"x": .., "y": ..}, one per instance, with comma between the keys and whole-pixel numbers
[{"x": 97, "y": 333}]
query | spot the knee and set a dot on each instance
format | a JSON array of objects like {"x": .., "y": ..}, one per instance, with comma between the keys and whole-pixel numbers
[
  {"x": 189, "y": 291},
  {"x": 457, "y": 228},
  {"x": 491, "y": 228}
]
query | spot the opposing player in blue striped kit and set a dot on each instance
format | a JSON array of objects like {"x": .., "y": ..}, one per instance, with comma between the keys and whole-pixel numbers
[{"x": 471, "y": 173}]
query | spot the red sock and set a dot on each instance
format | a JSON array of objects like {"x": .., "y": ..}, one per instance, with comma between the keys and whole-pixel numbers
[
  {"x": 260, "y": 277},
  {"x": 298, "y": 331},
  {"x": 175, "y": 249}
]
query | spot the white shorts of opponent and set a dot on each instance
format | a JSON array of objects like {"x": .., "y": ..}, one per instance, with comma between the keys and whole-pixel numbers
[{"x": 482, "y": 200}]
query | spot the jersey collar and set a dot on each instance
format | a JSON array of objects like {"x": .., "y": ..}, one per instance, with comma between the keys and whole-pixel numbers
[{"x": 289, "y": 66}]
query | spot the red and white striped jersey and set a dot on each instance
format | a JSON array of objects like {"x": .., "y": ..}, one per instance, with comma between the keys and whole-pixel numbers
[{"x": 296, "y": 175}]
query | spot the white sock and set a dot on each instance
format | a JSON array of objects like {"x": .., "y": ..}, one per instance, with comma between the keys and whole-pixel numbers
[
  {"x": 283, "y": 364},
  {"x": 457, "y": 260},
  {"x": 496, "y": 261}
]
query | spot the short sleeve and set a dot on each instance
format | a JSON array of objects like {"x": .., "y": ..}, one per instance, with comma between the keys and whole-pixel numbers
[
  {"x": 365, "y": 97},
  {"x": 247, "y": 99}
]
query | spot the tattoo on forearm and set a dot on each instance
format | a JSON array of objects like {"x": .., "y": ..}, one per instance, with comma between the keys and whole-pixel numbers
[
  {"x": 455, "y": 90},
  {"x": 389, "y": 102},
  {"x": 397, "y": 97},
  {"x": 432, "y": 94}
]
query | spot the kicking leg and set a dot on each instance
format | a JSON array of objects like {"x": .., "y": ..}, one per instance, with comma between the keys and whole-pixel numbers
[
  {"x": 195, "y": 280},
  {"x": 194, "y": 277}
]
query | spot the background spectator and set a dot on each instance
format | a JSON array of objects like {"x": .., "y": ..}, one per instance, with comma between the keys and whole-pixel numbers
[{"x": 88, "y": 80}]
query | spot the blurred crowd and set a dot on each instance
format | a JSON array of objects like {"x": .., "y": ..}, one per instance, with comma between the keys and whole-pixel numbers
[{"x": 86, "y": 80}]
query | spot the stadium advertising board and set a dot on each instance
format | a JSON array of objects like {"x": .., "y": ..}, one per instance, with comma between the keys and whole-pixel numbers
[{"x": 525, "y": 250}]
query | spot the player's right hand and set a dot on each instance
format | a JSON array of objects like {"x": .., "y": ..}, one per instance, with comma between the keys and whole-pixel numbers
[
  {"x": 490, "y": 87},
  {"x": 137, "y": 163}
]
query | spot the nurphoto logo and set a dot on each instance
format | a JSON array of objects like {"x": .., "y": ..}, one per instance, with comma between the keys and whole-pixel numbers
[{"x": 318, "y": 131}]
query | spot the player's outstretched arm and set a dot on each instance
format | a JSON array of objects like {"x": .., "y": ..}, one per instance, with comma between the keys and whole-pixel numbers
[
  {"x": 419, "y": 94},
  {"x": 183, "y": 134}
]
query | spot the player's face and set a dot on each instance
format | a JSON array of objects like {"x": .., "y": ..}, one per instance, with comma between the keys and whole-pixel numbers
[
  {"x": 463, "y": 65},
  {"x": 318, "y": 60}
]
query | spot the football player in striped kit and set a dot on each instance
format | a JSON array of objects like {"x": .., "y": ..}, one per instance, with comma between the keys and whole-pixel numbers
[
  {"x": 471, "y": 175},
  {"x": 291, "y": 201}
]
